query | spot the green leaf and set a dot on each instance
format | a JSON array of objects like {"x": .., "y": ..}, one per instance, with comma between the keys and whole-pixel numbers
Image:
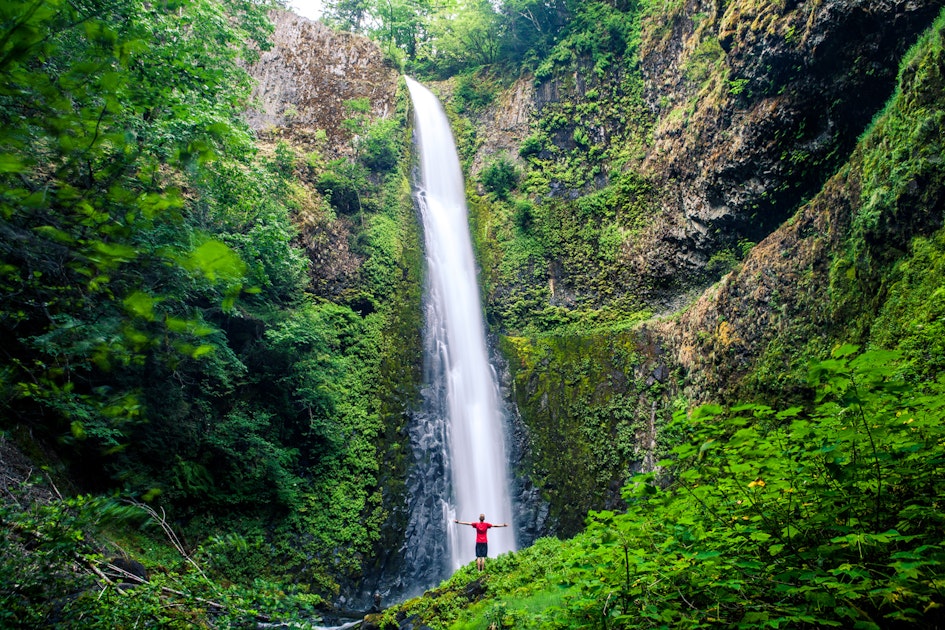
[
  {"x": 201, "y": 350},
  {"x": 10, "y": 163},
  {"x": 55, "y": 234},
  {"x": 140, "y": 304},
  {"x": 112, "y": 254},
  {"x": 845, "y": 350},
  {"x": 77, "y": 429},
  {"x": 707, "y": 445},
  {"x": 216, "y": 261}
]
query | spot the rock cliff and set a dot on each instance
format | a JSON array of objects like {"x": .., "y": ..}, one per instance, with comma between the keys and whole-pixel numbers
[
  {"x": 753, "y": 105},
  {"x": 303, "y": 85},
  {"x": 757, "y": 104},
  {"x": 834, "y": 272},
  {"x": 305, "y": 79},
  {"x": 758, "y": 114}
]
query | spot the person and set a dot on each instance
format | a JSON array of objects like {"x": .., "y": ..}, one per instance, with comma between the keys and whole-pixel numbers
[{"x": 482, "y": 542}]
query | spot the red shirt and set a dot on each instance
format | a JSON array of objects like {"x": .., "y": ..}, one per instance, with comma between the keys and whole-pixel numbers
[{"x": 481, "y": 528}]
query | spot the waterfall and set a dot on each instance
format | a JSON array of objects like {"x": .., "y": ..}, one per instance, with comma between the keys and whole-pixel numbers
[{"x": 461, "y": 433}]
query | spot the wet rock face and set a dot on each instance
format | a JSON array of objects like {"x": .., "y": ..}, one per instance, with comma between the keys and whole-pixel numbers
[
  {"x": 309, "y": 74},
  {"x": 758, "y": 103}
]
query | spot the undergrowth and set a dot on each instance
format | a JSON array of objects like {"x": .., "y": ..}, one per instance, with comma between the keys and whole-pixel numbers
[{"x": 60, "y": 570}]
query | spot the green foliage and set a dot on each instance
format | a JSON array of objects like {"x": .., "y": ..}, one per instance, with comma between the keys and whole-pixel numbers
[
  {"x": 102, "y": 272},
  {"x": 284, "y": 162},
  {"x": 580, "y": 244},
  {"x": 342, "y": 184},
  {"x": 820, "y": 504},
  {"x": 249, "y": 210},
  {"x": 347, "y": 14},
  {"x": 360, "y": 106},
  {"x": 598, "y": 33},
  {"x": 473, "y": 92},
  {"x": 902, "y": 149},
  {"x": 459, "y": 38},
  {"x": 160, "y": 331},
  {"x": 913, "y": 317},
  {"x": 380, "y": 148},
  {"x": 55, "y": 574},
  {"x": 524, "y": 216},
  {"x": 447, "y": 38},
  {"x": 500, "y": 176},
  {"x": 532, "y": 146}
]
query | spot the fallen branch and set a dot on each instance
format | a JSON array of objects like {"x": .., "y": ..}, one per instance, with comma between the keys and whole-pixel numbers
[{"x": 169, "y": 532}]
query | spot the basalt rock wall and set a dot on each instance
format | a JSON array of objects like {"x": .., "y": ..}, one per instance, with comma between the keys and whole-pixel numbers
[
  {"x": 305, "y": 79},
  {"x": 758, "y": 103},
  {"x": 761, "y": 144},
  {"x": 753, "y": 106}
]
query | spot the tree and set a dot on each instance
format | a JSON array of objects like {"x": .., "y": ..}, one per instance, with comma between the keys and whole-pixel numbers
[
  {"x": 106, "y": 110},
  {"x": 532, "y": 26},
  {"x": 350, "y": 15}
]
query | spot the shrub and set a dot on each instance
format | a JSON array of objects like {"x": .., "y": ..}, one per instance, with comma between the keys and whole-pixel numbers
[
  {"x": 531, "y": 146},
  {"x": 472, "y": 93},
  {"x": 500, "y": 177},
  {"x": 524, "y": 215},
  {"x": 379, "y": 147},
  {"x": 341, "y": 183}
]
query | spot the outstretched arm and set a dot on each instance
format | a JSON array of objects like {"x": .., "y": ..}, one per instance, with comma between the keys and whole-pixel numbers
[{"x": 462, "y": 522}]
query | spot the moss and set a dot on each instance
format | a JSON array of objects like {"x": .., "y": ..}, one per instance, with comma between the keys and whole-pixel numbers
[
  {"x": 400, "y": 366},
  {"x": 588, "y": 405},
  {"x": 913, "y": 317}
]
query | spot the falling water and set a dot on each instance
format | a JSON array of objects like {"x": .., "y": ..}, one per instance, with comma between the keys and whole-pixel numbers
[{"x": 464, "y": 416}]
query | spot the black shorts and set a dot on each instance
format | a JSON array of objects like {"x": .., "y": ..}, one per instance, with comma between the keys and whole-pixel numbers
[{"x": 482, "y": 550}]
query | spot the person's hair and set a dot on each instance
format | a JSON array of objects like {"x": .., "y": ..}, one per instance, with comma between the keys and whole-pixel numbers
[{"x": 482, "y": 517}]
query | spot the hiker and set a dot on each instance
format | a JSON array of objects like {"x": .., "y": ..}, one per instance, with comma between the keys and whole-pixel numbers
[{"x": 482, "y": 543}]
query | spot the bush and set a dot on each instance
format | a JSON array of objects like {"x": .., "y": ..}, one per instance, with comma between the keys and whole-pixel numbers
[
  {"x": 472, "y": 93},
  {"x": 825, "y": 516},
  {"x": 524, "y": 215},
  {"x": 284, "y": 160},
  {"x": 379, "y": 147},
  {"x": 341, "y": 183},
  {"x": 500, "y": 177},
  {"x": 531, "y": 146}
]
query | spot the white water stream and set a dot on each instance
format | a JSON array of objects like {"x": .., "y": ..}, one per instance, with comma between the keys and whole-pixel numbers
[{"x": 474, "y": 433}]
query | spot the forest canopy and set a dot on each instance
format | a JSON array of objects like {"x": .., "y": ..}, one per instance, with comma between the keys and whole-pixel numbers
[{"x": 444, "y": 37}]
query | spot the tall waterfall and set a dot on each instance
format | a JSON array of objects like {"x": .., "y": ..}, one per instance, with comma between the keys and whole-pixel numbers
[{"x": 462, "y": 432}]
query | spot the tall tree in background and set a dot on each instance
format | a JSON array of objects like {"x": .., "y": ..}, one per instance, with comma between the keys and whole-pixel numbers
[
  {"x": 468, "y": 36},
  {"x": 531, "y": 27},
  {"x": 349, "y": 15},
  {"x": 442, "y": 37}
]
